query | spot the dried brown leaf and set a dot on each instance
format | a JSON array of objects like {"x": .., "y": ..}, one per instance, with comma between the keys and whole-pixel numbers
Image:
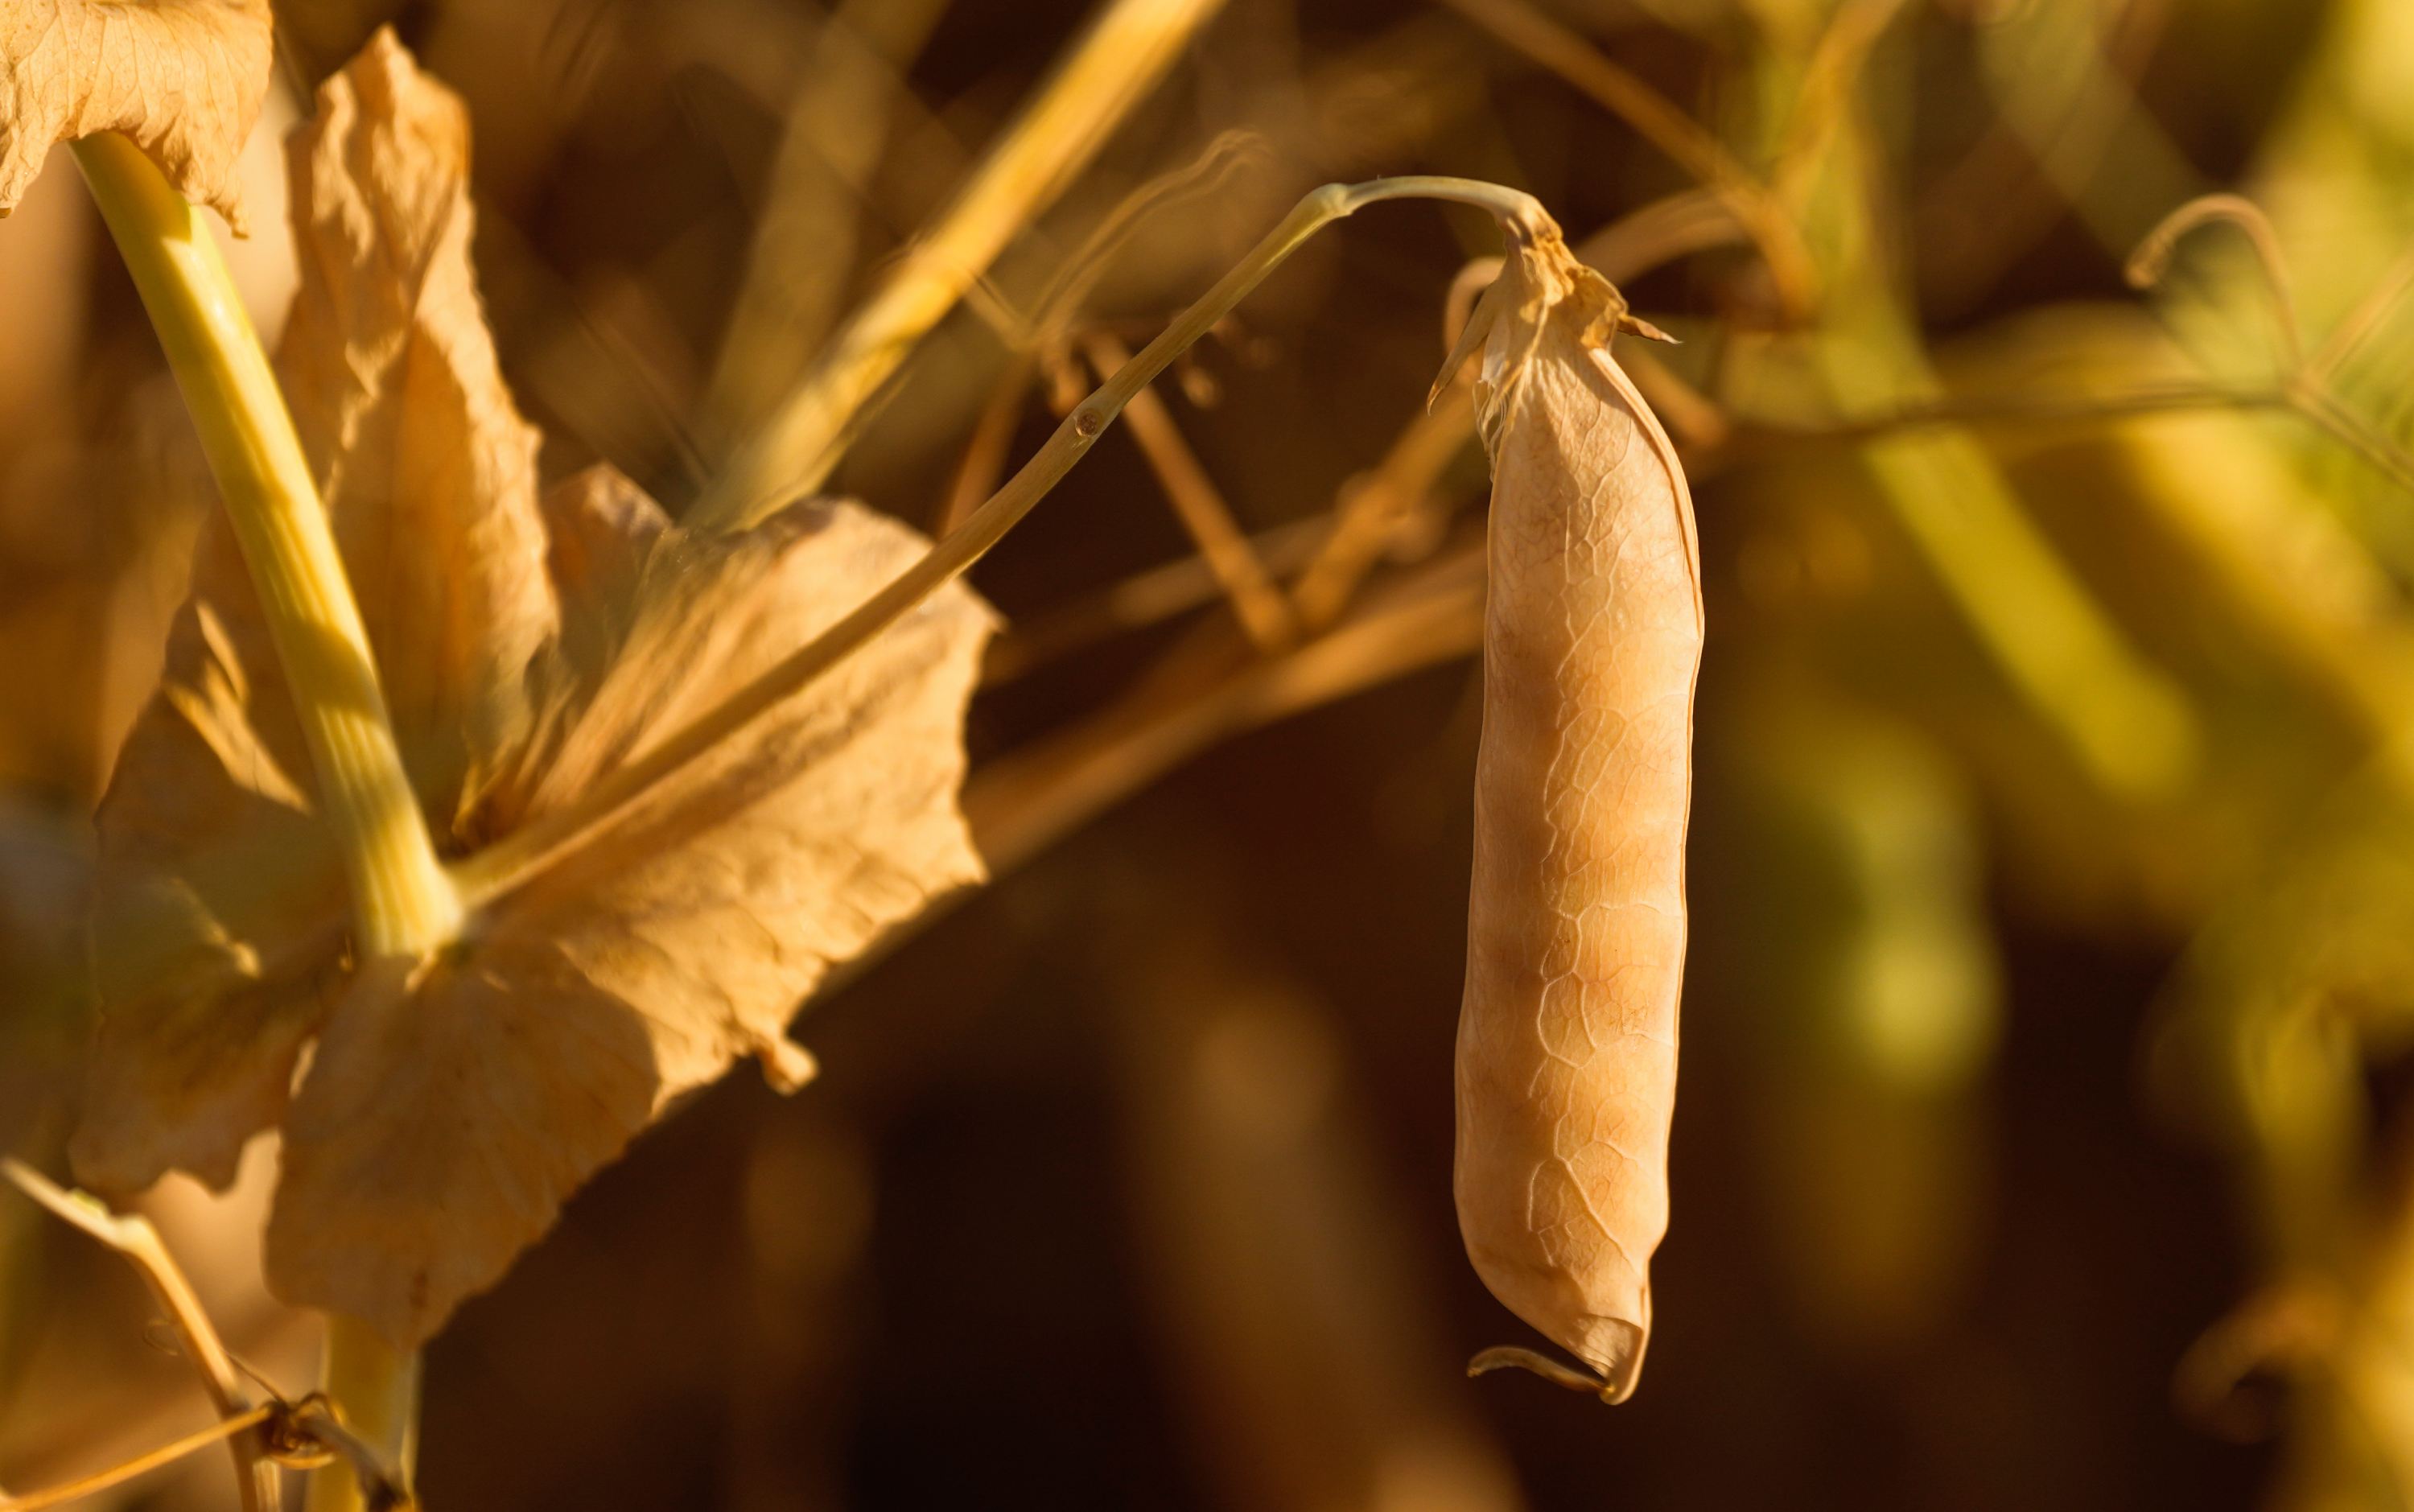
[
  {"x": 211, "y": 894},
  {"x": 399, "y": 400},
  {"x": 444, "y": 1119},
  {"x": 184, "y": 78},
  {"x": 451, "y": 1104},
  {"x": 600, "y": 529}
]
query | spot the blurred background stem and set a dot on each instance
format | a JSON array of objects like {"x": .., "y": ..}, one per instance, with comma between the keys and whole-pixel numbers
[
  {"x": 2127, "y": 721},
  {"x": 1114, "y": 65}
]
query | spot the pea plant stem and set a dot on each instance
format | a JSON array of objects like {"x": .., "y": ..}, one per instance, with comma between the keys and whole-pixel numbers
[
  {"x": 402, "y": 903},
  {"x": 377, "y": 1386},
  {"x": 1118, "y": 60},
  {"x": 523, "y": 854},
  {"x": 400, "y": 896},
  {"x": 132, "y": 1237}
]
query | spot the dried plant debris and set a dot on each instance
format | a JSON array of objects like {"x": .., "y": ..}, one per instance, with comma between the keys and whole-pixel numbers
[
  {"x": 1567, "y": 1040},
  {"x": 398, "y": 396},
  {"x": 182, "y": 78},
  {"x": 533, "y": 642}
]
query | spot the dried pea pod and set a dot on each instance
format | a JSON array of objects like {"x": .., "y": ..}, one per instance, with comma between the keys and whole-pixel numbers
[{"x": 1567, "y": 1038}]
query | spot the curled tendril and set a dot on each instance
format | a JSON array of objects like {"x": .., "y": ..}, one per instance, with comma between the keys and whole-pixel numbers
[{"x": 2152, "y": 261}]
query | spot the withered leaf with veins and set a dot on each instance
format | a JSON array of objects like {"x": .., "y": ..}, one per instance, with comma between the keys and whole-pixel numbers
[
  {"x": 182, "y": 78},
  {"x": 531, "y": 642}
]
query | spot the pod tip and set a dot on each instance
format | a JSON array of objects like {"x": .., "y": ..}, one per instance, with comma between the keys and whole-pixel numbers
[{"x": 1612, "y": 1389}]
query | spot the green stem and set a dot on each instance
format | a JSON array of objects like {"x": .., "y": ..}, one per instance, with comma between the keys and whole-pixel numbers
[
  {"x": 401, "y": 898},
  {"x": 520, "y": 855},
  {"x": 377, "y": 1386},
  {"x": 402, "y": 903}
]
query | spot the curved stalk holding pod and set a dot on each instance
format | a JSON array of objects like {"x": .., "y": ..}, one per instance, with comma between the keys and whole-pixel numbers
[{"x": 525, "y": 853}]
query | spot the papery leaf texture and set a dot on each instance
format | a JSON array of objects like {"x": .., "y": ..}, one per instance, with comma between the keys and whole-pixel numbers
[
  {"x": 532, "y": 642},
  {"x": 183, "y": 79}
]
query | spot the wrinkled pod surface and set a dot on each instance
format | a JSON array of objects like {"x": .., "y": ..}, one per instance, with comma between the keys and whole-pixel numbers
[{"x": 1567, "y": 1038}]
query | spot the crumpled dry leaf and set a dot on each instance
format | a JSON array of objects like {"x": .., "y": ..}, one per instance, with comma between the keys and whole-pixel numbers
[
  {"x": 399, "y": 401},
  {"x": 451, "y": 1105},
  {"x": 182, "y": 78},
  {"x": 1567, "y": 1036}
]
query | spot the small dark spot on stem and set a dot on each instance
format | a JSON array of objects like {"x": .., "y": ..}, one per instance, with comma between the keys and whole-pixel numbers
[{"x": 1088, "y": 422}]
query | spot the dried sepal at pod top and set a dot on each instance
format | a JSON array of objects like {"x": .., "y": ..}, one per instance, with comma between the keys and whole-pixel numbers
[
  {"x": 1567, "y": 1040},
  {"x": 534, "y": 642},
  {"x": 182, "y": 78}
]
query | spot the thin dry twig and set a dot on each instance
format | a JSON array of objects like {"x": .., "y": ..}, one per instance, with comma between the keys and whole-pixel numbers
[
  {"x": 1659, "y": 122},
  {"x": 1145, "y": 598},
  {"x": 132, "y": 1235},
  {"x": 1852, "y": 33},
  {"x": 1050, "y": 320},
  {"x": 308, "y": 1434},
  {"x": 1059, "y": 305},
  {"x": 1754, "y": 436},
  {"x": 1262, "y": 610},
  {"x": 1208, "y": 689},
  {"x": 1022, "y": 805},
  {"x": 839, "y": 118},
  {"x": 93, "y": 1485},
  {"x": 1373, "y": 506},
  {"x": 1107, "y": 73},
  {"x": 526, "y": 853},
  {"x": 1678, "y": 226},
  {"x": 985, "y": 452}
]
